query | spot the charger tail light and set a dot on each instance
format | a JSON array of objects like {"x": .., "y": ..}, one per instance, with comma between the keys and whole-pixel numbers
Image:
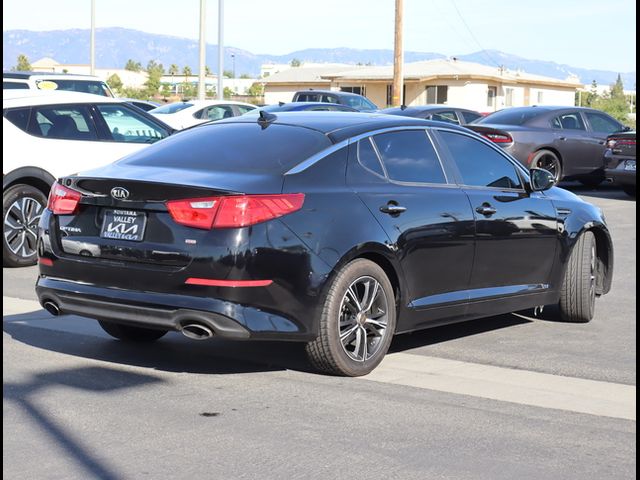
[
  {"x": 498, "y": 137},
  {"x": 619, "y": 142},
  {"x": 63, "y": 200},
  {"x": 233, "y": 211}
]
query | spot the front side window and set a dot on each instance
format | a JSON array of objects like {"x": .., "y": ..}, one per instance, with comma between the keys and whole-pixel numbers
[
  {"x": 479, "y": 164},
  {"x": 408, "y": 156},
  {"x": 569, "y": 121},
  {"x": 602, "y": 123},
  {"x": 216, "y": 112},
  {"x": 128, "y": 126},
  {"x": 437, "y": 94},
  {"x": 359, "y": 103},
  {"x": 171, "y": 108},
  {"x": 66, "y": 122}
]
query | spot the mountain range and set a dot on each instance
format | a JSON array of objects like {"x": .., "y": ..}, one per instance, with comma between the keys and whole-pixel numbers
[{"x": 114, "y": 46}]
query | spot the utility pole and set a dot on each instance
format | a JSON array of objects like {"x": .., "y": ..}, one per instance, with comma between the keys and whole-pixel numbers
[
  {"x": 398, "y": 59},
  {"x": 92, "y": 46},
  {"x": 203, "y": 50},
  {"x": 220, "y": 48}
]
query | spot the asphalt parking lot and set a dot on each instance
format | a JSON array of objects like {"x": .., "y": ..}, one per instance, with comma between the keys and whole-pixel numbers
[{"x": 514, "y": 396}]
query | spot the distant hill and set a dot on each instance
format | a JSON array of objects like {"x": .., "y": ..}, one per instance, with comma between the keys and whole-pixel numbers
[{"x": 114, "y": 46}]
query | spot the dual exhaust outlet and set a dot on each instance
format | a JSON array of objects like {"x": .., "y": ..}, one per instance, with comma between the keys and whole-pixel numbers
[{"x": 194, "y": 331}]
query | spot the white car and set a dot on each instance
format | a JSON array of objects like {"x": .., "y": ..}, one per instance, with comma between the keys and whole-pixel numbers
[
  {"x": 55, "y": 81},
  {"x": 187, "y": 114},
  {"x": 47, "y": 135}
]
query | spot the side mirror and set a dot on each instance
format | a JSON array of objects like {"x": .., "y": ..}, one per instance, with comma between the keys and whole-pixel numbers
[
  {"x": 626, "y": 128},
  {"x": 541, "y": 179}
]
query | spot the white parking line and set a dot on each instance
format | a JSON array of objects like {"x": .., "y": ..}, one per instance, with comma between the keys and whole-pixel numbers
[
  {"x": 508, "y": 385},
  {"x": 497, "y": 383}
]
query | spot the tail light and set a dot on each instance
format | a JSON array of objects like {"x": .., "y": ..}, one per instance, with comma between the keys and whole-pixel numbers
[
  {"x": 618, "y": 142},
  {"x": 63, "y": 200},
  {"x": 233, "y": 211},
  {"x": 498, "y": 137}
]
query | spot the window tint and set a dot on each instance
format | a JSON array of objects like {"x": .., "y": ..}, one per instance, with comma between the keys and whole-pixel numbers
[
  {"x": 19, "y": 117},
  {"x": 329, "y": 99},
  {"x": 308, "y": 97},
  {"x": 470, "y": 116},
  {"x": 512, "y": 116},
  {"x": 234, "y": 147},
  {"x": 85, "y": 86},
  {"x": 14, "y": 86},
  {"x": 143, "y": 106},
  {"x": 359, "y": 103},
  {"x": 62, "y": 122},
  {"x": 479, "y": 164},
  {"x": 409, "y": 157},
  {"x": 368, "y": 157},
  {"x": 172, "y": 107},
  {"x": 602, "y": 123},
  {"x": 448, "y": 116},
  {"x": 129, "y": 126},
  {"x": 570, "y": 121}
]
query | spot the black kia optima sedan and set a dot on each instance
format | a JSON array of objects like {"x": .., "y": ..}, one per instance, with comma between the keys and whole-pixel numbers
[{"x": 339, "y": 230}]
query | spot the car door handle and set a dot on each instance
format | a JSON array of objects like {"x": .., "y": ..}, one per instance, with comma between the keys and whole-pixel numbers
[
  {"x": 486, "y": 209},
  {"x": 563, "y": 138},
  {"x": 393, "y": 209}
]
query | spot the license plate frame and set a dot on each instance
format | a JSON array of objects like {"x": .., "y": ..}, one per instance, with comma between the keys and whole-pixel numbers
[{"x": 128, "y": 225}]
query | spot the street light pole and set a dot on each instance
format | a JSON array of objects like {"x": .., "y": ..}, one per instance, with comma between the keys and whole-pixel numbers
[
  {"x": 201, "y": 73},
  {"x": 233, "y": 58},
  {"x": 220, "y": 48},
  {"x": 92, "y": 46}
]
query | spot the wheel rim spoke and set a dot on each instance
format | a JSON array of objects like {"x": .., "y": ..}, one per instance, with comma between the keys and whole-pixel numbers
[
  {"x": 20, "y": 224},
  {"x": 363, "y": 319}
]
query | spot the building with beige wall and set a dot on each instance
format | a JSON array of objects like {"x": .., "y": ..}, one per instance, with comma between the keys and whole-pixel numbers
[{"x": 451, "y": 82}]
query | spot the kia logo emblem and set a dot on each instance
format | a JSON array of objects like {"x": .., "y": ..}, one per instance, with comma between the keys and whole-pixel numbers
[{"x": 119, "y": 193}]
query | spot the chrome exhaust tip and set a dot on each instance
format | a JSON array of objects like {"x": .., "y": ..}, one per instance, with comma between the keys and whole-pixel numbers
[
  {"x": 51, "y": 307},
  {"x": 196, "y": 331}
]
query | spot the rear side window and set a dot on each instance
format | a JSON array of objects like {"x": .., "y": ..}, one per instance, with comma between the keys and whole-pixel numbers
[
  {"x": 216, "y": 112},
  {"x": 470, "y": 116},
  {"x": 14, "y": 86},
  {"x": 368, "y": 157},
  {"x": 479, "y": 164},
  {"x": 408, "y": 156},
  {"x": 448, "y": 116},
  {"x": 569, "y": 121},
  {"x": 19, "y": 117},
  {"x": 66, "y": 122},
  {"x": 234, "y": 147}
]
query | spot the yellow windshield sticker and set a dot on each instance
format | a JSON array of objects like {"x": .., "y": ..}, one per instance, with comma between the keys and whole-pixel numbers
[{"x": 47, "y": 85}]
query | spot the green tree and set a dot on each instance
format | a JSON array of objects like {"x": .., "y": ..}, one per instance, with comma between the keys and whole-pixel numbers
[
  {"x": 227, "y": 73},
  {"x": 295, "y": 62},
  {"x": 614, "y": 102},
  {"x": 173, "y": 69},
  {"x": 154, "y": 71},
  {"x": 207, "y": 70},
  {"x": 133, "y": 66},
  {"x": 186, "y": 71},
  {"x": 23, "y": 63},
  {"x": 165, "y": 91},
  {"x": 228, "y": 93},
  {"x": 115, "y": 83},
  {"x": 245, "y": 75},
  {"x": 256, "y": 90}
]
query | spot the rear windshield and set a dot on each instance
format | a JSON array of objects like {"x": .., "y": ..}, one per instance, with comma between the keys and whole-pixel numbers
[
  {"x": 172, "y": 107},
  {"x": 512, "y": 116},
  {"x": 85, "y": 86},
  {"x": 234, "y": 147}
]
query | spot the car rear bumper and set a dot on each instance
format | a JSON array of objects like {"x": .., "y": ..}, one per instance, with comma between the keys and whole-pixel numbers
[
  {"x": 167, "y": 311},
  {"x": 621, "y": 177}
]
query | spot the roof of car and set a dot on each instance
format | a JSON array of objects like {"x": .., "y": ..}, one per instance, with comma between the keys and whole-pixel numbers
[
  {"x": 421, "y": 108},
  {"x": 23, "y": 98},
  {"x": 205, "y": 103},
  {"x": 59, "y": 76},
  {"x": 339, "y": 125}
]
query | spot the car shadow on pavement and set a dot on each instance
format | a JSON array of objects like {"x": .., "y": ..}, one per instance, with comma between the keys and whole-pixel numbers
[
  {"x": 87, "y": 379},
  {"x": 445, "y": 333},
  {"x": 604, "y": 190},
  {"x": 172, "y": 353}
]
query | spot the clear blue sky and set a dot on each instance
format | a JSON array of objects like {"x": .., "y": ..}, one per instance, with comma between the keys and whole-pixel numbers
[{"x": 583, "y": 33}]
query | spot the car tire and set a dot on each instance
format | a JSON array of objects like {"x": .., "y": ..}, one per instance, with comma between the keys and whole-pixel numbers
[
  {"x": 128, "y": 333},
  {"x": 630, "y": 190},
  {"x": 578, "y": 291},
  {"x": 549, "y": 161},
  {"x": 22, "y": 207},
  {"x": 357, "y": 322}
]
